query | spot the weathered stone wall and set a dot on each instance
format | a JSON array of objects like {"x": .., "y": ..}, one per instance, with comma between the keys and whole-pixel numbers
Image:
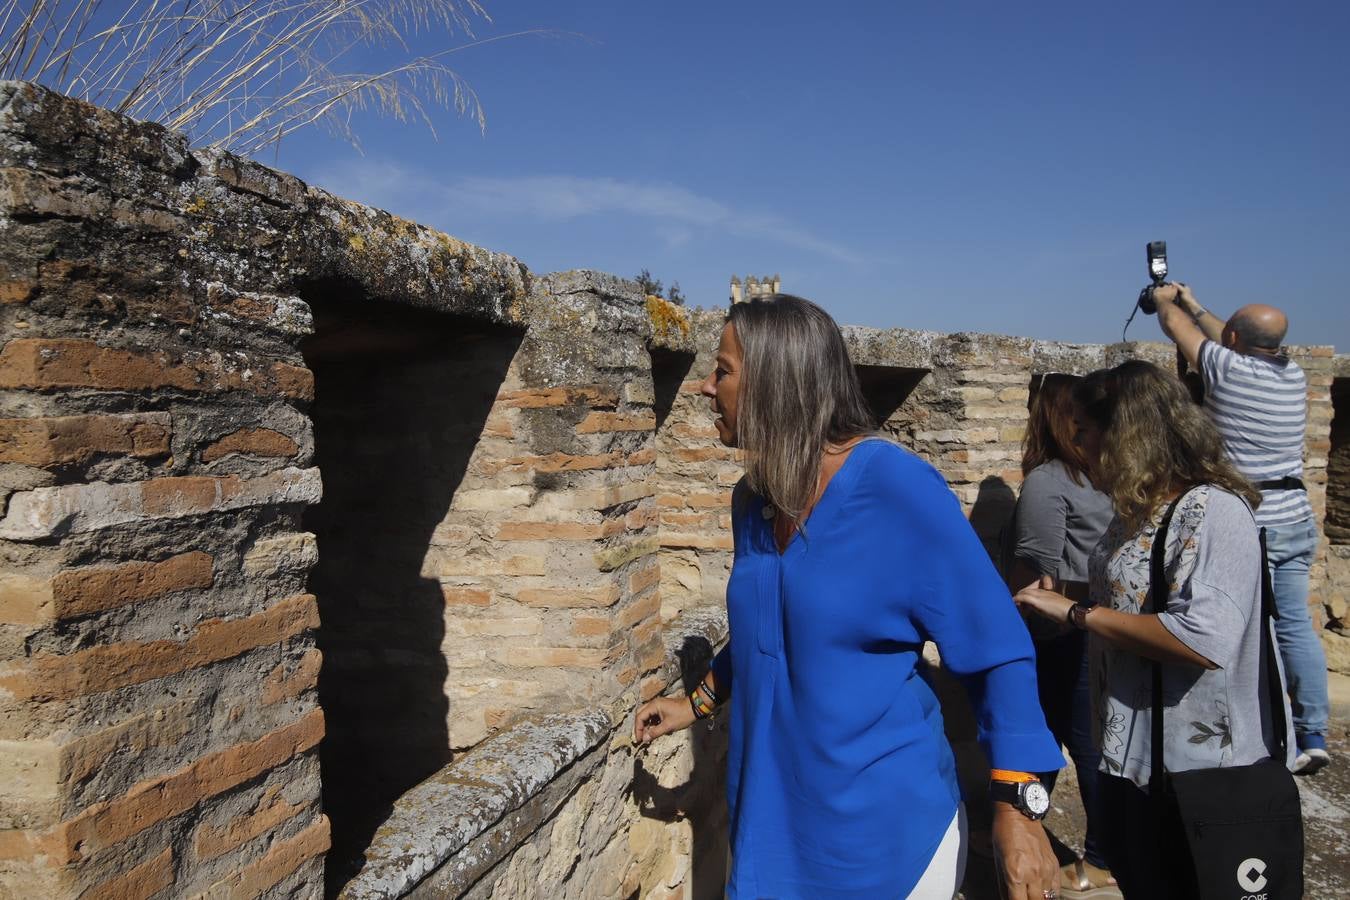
[
  {"x": 1336, "y": 598},
  {"x": 317, "y": 524}
]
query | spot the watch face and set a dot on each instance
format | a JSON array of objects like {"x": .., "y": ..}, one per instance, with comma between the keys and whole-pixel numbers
[{"x": 1037, "y": 798}]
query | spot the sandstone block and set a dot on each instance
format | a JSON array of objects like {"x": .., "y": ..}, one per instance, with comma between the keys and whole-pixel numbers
[
  {"x": 452, "y": 565},
  {"x": 559, "y": 657},
  {"x": 559, "y": 531},
  {"x": 598, "y": 422},
  {"x": 464, "y": 596},
  {"x": 697, "y": 541},
  {"x": 638, "y": 393},
  {"x": 47, "y": 511},
  {"x": 563, "y": 598},
  {"x": 641, "y": 579},
  {"x": 492, "y": 500},
  {"x": 640, "y": 610},
  {"x": 594, "y": 498},
  {"x": 75, "y": 440},
  {"x": 590, "y": 625},
  {"x": 988, "y": 411},
  {"x": 717, "y": 500},
  {"x": 291, "y": 554},
  {"x": 642, "y": 517},
  {"x": 463, "y": 626},
  {"x": 25, "y": 599}
]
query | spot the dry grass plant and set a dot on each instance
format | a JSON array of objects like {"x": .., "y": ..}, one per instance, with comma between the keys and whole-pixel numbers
[{"x": 243, "y": 74}]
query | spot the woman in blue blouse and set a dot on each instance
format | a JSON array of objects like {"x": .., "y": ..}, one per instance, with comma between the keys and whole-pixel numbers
[{"x": 850, "y": 553}]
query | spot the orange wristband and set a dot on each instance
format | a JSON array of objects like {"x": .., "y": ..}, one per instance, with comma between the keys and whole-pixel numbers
[{"x": 1010, "y": 775}]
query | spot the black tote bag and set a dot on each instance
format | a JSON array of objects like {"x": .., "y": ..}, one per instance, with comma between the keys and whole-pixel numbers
[{"x": 1243, "y": 824}]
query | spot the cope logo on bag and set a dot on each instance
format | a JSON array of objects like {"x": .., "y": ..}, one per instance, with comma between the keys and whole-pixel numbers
[{"x": 1251, "y": 876}]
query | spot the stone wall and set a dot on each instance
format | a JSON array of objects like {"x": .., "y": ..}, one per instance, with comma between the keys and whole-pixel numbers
[
  {"x": 337, "y": 552},
  {"x": 1336, "y": 598}
]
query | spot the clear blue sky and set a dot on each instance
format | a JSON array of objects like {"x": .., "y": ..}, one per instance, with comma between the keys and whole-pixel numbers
[{"x": 953, "y": 166}]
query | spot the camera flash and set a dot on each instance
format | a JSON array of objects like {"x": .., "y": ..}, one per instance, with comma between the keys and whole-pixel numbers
[{"x": 1157, "y": 260}]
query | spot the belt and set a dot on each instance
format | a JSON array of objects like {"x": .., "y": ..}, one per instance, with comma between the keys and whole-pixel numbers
[{"x": 1281, "y": 484}]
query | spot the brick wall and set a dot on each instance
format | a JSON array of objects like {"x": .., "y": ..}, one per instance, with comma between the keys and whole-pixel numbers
[{"x": 157, "y": 666}]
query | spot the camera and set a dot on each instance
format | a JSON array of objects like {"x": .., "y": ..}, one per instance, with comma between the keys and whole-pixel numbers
[{"x": 1157, "y": 273}]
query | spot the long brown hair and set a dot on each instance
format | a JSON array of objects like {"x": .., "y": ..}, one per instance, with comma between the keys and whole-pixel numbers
[
  {"x": 1050, "y": 427},
  {"x": 799, "y": 391},
  {"x": 1154, "y": 439}
]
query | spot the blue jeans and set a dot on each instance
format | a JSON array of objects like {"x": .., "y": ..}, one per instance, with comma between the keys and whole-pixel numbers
[
  {"x": 1290, "y": 549},
  {"x": 1065, "y": 695}
]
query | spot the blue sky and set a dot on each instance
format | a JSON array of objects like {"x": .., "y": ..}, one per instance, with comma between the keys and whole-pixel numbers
[{"x": 952, "y": 166}]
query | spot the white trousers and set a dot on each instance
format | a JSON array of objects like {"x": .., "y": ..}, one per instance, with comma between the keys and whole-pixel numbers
[{"x": 942, "y": 879}]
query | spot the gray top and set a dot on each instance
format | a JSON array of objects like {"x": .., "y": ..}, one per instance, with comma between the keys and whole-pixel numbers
[
  {"x": 1058, "y": 522},
  {"x": 1214, "y": 717}
]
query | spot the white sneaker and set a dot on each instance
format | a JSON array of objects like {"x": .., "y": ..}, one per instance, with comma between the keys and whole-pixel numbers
[{"x": 1311, "y": 761}]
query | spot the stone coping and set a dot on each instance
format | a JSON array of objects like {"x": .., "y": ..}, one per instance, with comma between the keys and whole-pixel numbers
[
  {"x": 1341, "y": 365},
  {"x": 446, "y": 814},
  {"x": 438, "y": 818}
]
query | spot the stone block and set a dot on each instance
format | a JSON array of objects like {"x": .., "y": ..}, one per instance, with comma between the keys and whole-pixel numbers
[
  {"x": 291, "y": 554},
  {"x": 76, "y": 440},
  {"x": 280, "y": 860},
  {"x": 45, "y": 676},
  {"x": 91, "y": 589},
  {"x": 252, "y": 442},
  {"x": 47, "y": 364},
  {"x": 150, "y": 802},
  {"x": 48, "y": 511}
]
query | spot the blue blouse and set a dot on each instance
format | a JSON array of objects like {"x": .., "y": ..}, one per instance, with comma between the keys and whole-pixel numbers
[{"x": 840, "y": 781}]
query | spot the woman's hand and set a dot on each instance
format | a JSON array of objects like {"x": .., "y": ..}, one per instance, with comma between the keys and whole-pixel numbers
[
  {"x": 661, "y": 716},
  {"x": 1022, "y": 853},
  {"x": 1038, "y": 598}
]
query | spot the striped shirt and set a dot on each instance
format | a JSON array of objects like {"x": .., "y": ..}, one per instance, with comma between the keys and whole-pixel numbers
[{"x": 1260, "y": 405}]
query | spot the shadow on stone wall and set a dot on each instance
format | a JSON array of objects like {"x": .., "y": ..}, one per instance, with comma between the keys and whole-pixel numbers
[
  {"x": 669, "y": 371},
  {"x": 701, "y": 800},
  {"x": 401, "y": 400},
  {"x": 886, "y": 389}
]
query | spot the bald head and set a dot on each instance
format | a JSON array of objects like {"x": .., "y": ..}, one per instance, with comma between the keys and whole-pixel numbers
[{"x": 1256, "y": 327}]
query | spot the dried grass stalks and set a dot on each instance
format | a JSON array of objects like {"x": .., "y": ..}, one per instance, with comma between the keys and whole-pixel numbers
[{"x": 241, "y": 74}]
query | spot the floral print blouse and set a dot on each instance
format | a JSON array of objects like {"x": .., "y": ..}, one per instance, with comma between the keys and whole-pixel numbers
[{"x": 1212, "y": 717}]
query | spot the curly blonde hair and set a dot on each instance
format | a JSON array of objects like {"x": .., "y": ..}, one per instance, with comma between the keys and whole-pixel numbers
[{"x": 1154, "y": 440}]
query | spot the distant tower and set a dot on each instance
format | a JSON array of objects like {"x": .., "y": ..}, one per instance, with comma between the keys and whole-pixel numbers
[{"x": 754, "y": 287}]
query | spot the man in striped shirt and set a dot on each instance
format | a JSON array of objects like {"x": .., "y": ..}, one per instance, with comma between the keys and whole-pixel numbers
[{"x": 1258, "y": 399}]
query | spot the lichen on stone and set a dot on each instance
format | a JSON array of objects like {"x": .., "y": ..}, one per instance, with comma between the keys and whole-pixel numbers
[{"x": 668, "y": 319}]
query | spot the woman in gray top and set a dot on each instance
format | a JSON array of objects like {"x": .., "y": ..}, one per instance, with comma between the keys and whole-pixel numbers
[
  {"x": 1059, "y": 519},
  {"x": 1148, "y": 444}
]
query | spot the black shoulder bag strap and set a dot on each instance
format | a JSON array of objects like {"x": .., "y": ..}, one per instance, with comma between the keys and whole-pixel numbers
[{"x": 1274, "y": 689}]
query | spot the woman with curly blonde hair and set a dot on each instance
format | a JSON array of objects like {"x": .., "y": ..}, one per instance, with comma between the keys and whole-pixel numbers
[{"x": 1150, "y": 449}]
